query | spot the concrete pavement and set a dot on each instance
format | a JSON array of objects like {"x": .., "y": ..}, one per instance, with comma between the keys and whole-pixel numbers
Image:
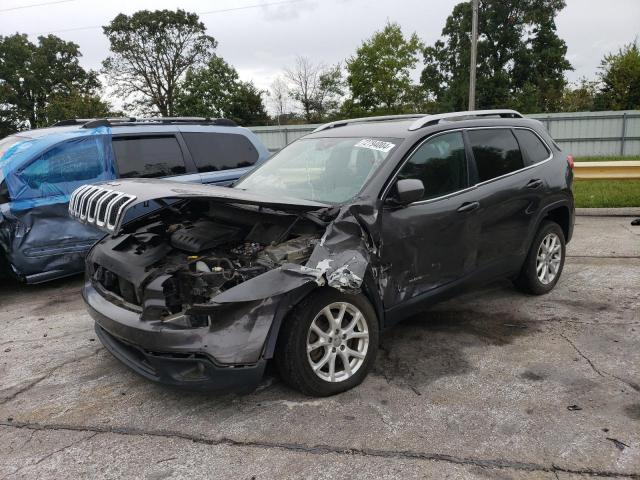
[{"x": 494, "y": 384}]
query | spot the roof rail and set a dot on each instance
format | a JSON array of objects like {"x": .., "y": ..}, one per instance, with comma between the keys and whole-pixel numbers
[
  {"x": 342, "y": 123},
  {"x": 435, "y": 119},
  {"x": 84, "y": 121},
  {"x": 109, "y": 122}
]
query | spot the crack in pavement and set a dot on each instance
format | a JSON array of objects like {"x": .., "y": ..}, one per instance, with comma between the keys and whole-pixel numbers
[
  {"x": 51, "y": 454},
  {"x": 50, "y": 372},
  {"x": 495, "y": 463},
  {"x": 631, "y": 385},
  {"x": 603, "y": 256},
  {"x": 582, "y": 354}
]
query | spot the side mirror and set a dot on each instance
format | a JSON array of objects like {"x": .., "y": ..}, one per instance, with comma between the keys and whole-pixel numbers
[{"x": 408, "y": 190}]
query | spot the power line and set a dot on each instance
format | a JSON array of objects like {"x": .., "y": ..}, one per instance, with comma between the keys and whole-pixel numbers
[
  {"x": 222, "y": 10},
  {"x": 251, "y": 6},
  {"x": 55, "y": 2}
]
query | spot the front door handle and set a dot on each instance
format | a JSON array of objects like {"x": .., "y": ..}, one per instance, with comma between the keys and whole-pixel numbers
[
  {"x": 534, "y": 183},
  {"x": 468, "y": 206}
]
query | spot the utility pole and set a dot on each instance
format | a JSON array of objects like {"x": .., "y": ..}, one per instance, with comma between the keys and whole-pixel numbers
[{"x": 474, "y": 55}]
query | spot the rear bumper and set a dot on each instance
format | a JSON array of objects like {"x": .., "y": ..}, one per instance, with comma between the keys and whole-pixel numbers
[{"x": 168, "y": 357}]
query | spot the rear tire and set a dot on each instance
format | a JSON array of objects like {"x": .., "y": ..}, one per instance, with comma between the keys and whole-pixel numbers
[
  {"x": 328, "y": 343},
  {"x": 545, "y": 261}
]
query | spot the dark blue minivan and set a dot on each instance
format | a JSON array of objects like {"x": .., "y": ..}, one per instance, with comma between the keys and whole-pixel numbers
[{"x": 40, "y": 168}]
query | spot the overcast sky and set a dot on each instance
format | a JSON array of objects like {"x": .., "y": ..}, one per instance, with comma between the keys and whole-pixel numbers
[{"x": 264, "y": 38}]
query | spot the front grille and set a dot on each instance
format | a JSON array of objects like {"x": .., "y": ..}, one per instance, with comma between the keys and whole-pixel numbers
[{"x": 99, "y": 206}]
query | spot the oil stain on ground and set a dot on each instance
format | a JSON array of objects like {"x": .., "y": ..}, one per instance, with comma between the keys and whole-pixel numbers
[
  {"x": 633, "y": 411},
  {"x": 432, "y": 345}
]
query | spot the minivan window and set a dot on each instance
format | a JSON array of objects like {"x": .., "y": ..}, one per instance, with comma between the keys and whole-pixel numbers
[
  {"x": 220, "y": 151},
  {"x": 67, "y": 162},
  {"x": 496, "y": 152},
  {"x": 533, "y": 148},
  {"x": 440, "y": 163},
  {"x": 148, "y": 157}
]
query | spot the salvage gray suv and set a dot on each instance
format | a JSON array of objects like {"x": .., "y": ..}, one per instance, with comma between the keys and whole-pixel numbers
[{"x": 310, "y": 257}]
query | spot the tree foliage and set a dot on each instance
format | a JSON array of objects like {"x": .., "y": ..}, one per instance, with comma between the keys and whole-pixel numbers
[
  {"x": 216, "y": 91},
  {"x": 279, "y": 99},
  {"x": 521, "y": 59},
  {"x": 151, "y": 52},
  {"x": 379, "y": 74},
  {"x": 246, "y": 106},
  {"x": 315, "y": 87},
  {"x": 620, "y": 77},
  {"x": 582, "y": 97},
  {"x": 43, "y": 83}
]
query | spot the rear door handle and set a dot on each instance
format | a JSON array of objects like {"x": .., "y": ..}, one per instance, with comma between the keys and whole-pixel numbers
[
  {"x": 534, "y": 183},
  {"x": 468, "y": 206}
]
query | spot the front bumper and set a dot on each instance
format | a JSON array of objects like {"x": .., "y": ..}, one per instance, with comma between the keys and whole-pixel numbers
[{"x": 171, "y": 357}]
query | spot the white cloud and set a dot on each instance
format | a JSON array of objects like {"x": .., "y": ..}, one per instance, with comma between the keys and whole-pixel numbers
[{"x": 259, "y": 42}]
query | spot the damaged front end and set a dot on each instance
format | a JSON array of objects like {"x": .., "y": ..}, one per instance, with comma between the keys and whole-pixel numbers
[{"x": 194, "y": 294}]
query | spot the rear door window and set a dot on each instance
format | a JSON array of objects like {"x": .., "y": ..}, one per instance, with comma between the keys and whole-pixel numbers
[
  {"x": 496, "y": 152},
  {"x": 534, "y": 150},
  {"x": 220, "y": 151},
  {"x": 148, "y": 157},
  {"x": 440, "y": 163}
]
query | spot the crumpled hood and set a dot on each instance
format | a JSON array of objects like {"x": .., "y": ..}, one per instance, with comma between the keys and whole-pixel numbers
[{"x": 106, "y": 204}]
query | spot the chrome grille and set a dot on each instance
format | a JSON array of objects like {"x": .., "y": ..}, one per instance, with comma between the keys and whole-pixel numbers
[{"x": 99, "y": 206}]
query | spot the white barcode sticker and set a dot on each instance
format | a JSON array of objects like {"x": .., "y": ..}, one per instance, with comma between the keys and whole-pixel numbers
[{"x": 379, "y": 145}]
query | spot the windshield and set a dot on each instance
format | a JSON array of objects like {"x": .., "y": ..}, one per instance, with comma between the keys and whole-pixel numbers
[{"x": 327, "y": 170}]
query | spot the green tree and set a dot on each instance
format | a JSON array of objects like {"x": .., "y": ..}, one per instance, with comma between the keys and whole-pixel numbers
[
  {"x": 582, "y": 97},
  {"x": 76, "y": 104},
  {"x": 521, "y": 59},
  {"x": 330, "y": 92},
  {"x": 620, "y": 77},
  {"x": 246, "y": 106},
  {"x": 34, "y": 78},
  {"x": 379, "y": 74},
  {"x": 151, "y": 52},
  {"x": 206, "y": 90},
  {"x": 216, "y": 91}
]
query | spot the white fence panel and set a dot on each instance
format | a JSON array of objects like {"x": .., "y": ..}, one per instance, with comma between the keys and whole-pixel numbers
[{"x": 578, "y": 133}]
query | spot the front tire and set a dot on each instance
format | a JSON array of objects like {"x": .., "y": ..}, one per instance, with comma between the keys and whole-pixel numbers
[
  {"x": 545, "y": 261},
  {"x": 328, "y": 343}
]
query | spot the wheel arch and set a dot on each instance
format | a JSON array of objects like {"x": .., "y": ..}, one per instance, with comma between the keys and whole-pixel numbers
[
  {"x": 562, "y": 216},
  {"x": 560, "y": 212},
  {"x": 368, "y": 289}
]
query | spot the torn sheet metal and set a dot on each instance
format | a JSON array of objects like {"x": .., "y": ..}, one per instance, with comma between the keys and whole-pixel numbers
[
  {"x": 347, "y": 249},
  {"x": 44, "y": 243},
  {"x": 37, "y": 236}
]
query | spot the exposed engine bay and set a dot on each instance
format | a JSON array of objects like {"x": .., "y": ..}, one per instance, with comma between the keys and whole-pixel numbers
[{"x": 197, "y": 256}]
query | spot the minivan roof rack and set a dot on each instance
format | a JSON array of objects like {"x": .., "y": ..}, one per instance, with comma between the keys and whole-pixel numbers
[
  {"x": 113, "y": 121},
  {"x": 465, "y": 115},
  {"x": 382, "y": 118},
  {"x": 84, "y": 121}
]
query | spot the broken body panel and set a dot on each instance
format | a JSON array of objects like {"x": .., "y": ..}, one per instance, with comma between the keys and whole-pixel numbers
[{"x": 214, "y": 272}]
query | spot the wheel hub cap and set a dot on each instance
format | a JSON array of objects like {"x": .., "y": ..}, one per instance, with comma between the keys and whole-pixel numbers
[
  {"x": 548, "y": 258},
  {"x": 337, "y": 342}
]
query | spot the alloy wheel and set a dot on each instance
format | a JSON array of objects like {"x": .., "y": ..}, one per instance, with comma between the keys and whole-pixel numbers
[
  {"x": 548, "y": 258},
  {"x": 337, "y": 342}
]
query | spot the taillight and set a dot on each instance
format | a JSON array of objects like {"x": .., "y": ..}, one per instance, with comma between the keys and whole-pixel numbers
[{"x": 570, "y": 161}]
